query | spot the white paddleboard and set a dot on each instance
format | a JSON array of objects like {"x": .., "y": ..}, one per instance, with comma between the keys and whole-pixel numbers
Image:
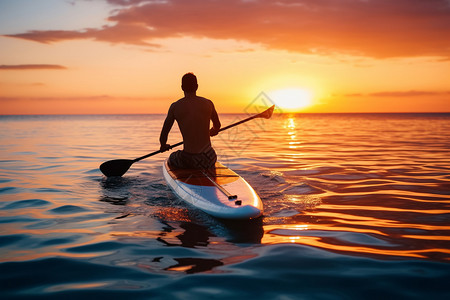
[{"x": 219, "y": 191}]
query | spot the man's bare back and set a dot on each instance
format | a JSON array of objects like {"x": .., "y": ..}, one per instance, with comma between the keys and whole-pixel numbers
[{"x": 193, "y": 115}]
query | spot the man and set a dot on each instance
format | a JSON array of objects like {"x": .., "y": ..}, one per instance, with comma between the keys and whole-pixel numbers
[{"x": 193, "y": 115}]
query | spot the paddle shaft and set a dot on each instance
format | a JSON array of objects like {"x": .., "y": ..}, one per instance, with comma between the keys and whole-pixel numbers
[
  {"x": 156, "y": 152},
  {"x": 221, "y": 129}
]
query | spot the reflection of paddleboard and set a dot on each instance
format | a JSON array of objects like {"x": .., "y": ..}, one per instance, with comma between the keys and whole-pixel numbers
[{"x": 219, "y": 191}]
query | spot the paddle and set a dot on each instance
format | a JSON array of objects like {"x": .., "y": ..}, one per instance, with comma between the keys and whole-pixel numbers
[{"x": 118, "y": 167}]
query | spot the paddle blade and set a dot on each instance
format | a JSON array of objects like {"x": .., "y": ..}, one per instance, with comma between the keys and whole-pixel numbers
[
  {"x": 116, "y": 167},
  {"x": 267, "y": 114}
]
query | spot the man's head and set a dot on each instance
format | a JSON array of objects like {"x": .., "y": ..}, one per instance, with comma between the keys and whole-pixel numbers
[{"x": 189, "y": 83}]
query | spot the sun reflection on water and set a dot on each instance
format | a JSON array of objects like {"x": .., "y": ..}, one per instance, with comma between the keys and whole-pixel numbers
[{"x": 291, "y": 128}]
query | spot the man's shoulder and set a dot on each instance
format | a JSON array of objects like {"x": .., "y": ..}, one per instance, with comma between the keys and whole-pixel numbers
[
  {"x": 177, "y": 103},
  {"x": 205, "y": 99},
  {"x": 179, "y": 100}
]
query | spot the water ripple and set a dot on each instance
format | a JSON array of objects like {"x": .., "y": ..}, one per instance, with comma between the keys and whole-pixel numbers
[{"x": 354, "y": 205}]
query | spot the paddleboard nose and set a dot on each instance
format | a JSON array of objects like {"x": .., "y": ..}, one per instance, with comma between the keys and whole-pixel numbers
[{"x": 247, "y": 211}]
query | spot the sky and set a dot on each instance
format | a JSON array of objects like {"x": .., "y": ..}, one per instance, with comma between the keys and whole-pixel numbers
[{"x": 128, "y": 56}]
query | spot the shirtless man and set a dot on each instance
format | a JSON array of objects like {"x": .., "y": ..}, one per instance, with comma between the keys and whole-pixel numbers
[{"x": 193, "y": 115}]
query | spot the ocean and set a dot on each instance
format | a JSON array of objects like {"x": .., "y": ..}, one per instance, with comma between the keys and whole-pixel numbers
[{"x": 356, "y": 206}]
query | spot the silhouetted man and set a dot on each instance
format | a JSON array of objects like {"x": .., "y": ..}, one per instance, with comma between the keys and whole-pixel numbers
[{"x": 193, "y": 115}]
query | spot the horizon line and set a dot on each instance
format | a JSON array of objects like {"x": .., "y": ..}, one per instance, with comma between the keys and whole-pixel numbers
[{"x": 226, "y": 113}]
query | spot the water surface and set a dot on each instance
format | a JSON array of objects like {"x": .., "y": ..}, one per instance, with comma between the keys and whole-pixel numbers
[{"x": 356, "y": 206}]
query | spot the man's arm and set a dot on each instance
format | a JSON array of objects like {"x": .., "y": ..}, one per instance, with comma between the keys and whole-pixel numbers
[
  {"x": 168, "y": 123},
  {"x": 216, "y": 122}
]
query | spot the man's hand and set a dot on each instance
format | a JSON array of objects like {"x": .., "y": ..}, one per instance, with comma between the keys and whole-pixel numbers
[
  {"x": 213, "y": 131},
  {"x": 164, "y": 148}
]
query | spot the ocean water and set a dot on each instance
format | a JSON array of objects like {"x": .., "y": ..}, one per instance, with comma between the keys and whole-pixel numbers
[{"x": 357, "y": 206}]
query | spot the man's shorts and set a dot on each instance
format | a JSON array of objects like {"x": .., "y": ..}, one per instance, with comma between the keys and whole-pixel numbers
[{"x": 185, "y": 160}]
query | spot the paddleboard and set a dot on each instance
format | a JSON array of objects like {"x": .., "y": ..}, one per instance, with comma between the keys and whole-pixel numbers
[{"x": 218, "y": 191}]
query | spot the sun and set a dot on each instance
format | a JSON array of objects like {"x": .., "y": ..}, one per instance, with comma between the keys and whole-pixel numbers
[{"x": 292, "y": 99}]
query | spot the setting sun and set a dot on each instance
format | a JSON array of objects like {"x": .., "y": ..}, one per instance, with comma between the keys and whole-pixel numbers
[{"x": 292, "y": 99}]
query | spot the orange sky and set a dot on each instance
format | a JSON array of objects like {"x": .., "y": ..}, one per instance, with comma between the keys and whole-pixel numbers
[{"x": 128, "y": 56}]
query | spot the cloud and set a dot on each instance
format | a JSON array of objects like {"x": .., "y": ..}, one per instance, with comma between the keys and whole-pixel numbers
[
  {"x": 32, "y": 67},
  {"x": 120, "y": 33},
  {"x": 93, "y": 98},
  {"x": 27, "y": 84},
  {"x": 401, "y": 94},
  {"x": 129, "y": 2},
  {"x": 374, "y": 28},
  {"x": 410, "y": 93}
]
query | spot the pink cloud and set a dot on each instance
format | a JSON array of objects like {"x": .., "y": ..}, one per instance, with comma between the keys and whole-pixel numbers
[
  {"x": 120, "y": 33},
  {"x": 375, "y": 28},
  {"x": 32, "y": 67},
  {"x": 400, "y": 94}
]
